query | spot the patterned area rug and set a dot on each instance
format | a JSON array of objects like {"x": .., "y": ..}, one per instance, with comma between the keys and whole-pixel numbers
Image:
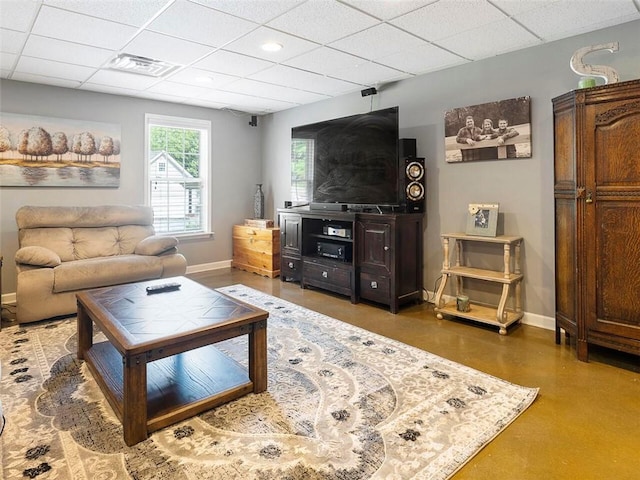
[{"x": 342, "y": 403}]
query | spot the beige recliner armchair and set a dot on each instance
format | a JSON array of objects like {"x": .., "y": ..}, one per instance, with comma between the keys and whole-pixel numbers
[{"x": 63, "y": 250}]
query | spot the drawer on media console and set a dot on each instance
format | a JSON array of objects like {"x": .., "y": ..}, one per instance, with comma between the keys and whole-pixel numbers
[
  {"x": 291, "y": 267},
  {"x": 376, "y": 288},
  {"x": 332, "y": 278}
]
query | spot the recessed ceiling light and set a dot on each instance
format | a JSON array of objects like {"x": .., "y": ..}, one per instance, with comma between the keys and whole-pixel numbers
[
  {"x": 271, "y": 47},
  {"x": 204, "y": 79}
]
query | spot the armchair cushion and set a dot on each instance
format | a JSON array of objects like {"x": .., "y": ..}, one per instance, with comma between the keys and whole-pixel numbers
[
  {"x": 155, "y": 245},
  {"x": 39, "y": 256}
]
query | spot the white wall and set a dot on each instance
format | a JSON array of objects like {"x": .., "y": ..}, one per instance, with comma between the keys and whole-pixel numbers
[
  {"x": 235, "y": 153},
  {"x": 522, "y": 187}
]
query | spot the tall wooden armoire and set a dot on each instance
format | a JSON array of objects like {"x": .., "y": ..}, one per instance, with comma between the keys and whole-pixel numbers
[{"x": 597, "y": 216}]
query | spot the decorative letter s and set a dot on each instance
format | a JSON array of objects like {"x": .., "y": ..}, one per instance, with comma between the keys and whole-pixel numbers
[{"x": 608, "y": 73}]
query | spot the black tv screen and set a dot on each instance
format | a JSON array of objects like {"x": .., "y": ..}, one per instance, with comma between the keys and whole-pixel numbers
[{"x": 355, "y": 158}]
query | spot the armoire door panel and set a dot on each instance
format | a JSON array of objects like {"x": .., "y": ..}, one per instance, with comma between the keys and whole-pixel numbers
[
  {"x": 616, "y": 152},
  {"x": 566, "y": 257},
  {"x": 617, "y": 285},
  {"x": 564, "y": 166}
]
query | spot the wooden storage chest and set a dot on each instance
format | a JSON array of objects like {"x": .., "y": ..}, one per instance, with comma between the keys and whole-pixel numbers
[{"x": 256, "y": 250}]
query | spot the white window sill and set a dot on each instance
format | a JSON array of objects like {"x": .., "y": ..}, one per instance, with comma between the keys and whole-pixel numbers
[{"x": 190, "y": 236}]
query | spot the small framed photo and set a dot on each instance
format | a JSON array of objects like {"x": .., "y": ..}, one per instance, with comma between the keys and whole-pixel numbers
[{"x": 482, "y": 219}]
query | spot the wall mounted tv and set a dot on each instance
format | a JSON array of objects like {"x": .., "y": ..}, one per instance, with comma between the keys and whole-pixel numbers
[{"x": 355, "y": 159}]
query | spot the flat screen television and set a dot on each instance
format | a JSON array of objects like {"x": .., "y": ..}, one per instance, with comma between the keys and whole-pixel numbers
[{"x": 355, "y": 159}]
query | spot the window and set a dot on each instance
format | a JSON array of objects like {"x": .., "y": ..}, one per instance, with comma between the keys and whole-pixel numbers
[
  {"x": 177, "y": 151},
  {"x": 302, "y": 152}
]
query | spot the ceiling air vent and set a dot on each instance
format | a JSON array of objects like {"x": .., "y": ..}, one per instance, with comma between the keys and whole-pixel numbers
[{"x": 141, "y": 65}]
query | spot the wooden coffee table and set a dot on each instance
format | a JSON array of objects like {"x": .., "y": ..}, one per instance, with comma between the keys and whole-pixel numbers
[{"x": 158, "y": 365}]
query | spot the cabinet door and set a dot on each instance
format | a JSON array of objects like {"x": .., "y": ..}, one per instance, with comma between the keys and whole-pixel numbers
[
  {"x": 375, "y": 246},
  {"x": 566, "y": 210},
  {"x": 291, "y": 234},
  {"x": 612, "y": 220}
]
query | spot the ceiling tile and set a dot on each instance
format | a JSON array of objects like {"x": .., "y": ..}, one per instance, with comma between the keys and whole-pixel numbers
[
  {"x": 18, "y": 14},
  {"x": 263, "y": 106},
  {"x": 232, "y": 63},
  {"x": 199, "y": 102},
  {"x": 514, "y": 8},
  {"x": 369, "y": 73},
  {"x": 447, "y": 17},
  {"x": 201, "y": 78},
  {"x": 324, "y": 60},
  {"x": 129, "y": 12},
  {"x": 113, "y": 78},
  {"x": 62, "y": 51},
  {"x": 309, "y": 21},
  {"x": 377, "y": 42},
  {"x": 312, "y": 82},
  {"x": 73, "y": 27},
  {"x": 7, "y": 60},
  {"x": 161, "y": 97},
  {"x": 421, "y": 59},
  {"x": 388, "y": 10},
  {"x": 178, "y": 89},
  {"x": 11, "y": 41},
  {"x": 251, "y": 44},
  {"x": 240, "y": 100},
  {"x": 274, "y": 92},
  {"x": 96, "y": 87},
  {"x": 50, "y": 68},
  {"x": 564, "y": 16},
  {"x": 259, "y": 11},
  {"x": 200, "y": 24},
  {"x": 169, "y": 49},
  {"x": 44, "y": 80},
  {"x": 502, "y": 37},
  {"x": 224, "y": 96}
]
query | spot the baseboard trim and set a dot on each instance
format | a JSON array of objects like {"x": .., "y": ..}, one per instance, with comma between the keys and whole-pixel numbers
[
  {"x": 533, "y": 319},
  {"x": 8, "y": 298},
  {"x": 205, "y": 267}
]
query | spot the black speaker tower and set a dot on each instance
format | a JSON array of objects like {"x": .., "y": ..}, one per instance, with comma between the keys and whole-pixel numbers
[{"x": 412, "y": 177}]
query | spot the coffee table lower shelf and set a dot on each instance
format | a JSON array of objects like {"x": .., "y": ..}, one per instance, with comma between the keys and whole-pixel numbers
[{"x": 178, "y": 387}]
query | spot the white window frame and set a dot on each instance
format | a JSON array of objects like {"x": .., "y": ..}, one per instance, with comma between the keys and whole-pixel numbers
[
  {"x": 298, "y": 194},
  {"x": 205, "y": 159}
]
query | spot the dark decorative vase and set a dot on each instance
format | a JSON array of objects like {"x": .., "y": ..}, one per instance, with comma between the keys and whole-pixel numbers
[{"x": 258, "y": 203}]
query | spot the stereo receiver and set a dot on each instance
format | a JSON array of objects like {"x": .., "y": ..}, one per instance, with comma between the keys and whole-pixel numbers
[{"x": 334, "y": 250}]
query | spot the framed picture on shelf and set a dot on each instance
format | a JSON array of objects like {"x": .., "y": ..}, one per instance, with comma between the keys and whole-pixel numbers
[{"x": 482, "y": 219}]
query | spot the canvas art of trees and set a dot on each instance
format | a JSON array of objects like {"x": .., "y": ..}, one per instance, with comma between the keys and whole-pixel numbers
[
  {"x": 37, "y": 144},
  {"x": 47, "y": 151}
]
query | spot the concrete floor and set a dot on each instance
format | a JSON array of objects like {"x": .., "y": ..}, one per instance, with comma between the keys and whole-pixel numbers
[{"x": 585, "y": 423}]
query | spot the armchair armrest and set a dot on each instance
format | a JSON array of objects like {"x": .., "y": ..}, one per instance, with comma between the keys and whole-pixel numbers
[
  {"x": 155, "y": 245},
  {"x": 37, "y": 256}
]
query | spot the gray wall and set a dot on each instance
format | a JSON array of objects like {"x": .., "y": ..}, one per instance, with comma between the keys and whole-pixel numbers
[
  {"x": 522, "y": 187},
  {"x": 235, "y": 153}
]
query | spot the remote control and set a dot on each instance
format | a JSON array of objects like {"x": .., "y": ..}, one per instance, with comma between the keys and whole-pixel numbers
[{"x": 163, "y": 287}]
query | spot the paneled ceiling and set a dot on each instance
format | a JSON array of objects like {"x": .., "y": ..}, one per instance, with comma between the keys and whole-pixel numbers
[{"x": 214, "y": 52}]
